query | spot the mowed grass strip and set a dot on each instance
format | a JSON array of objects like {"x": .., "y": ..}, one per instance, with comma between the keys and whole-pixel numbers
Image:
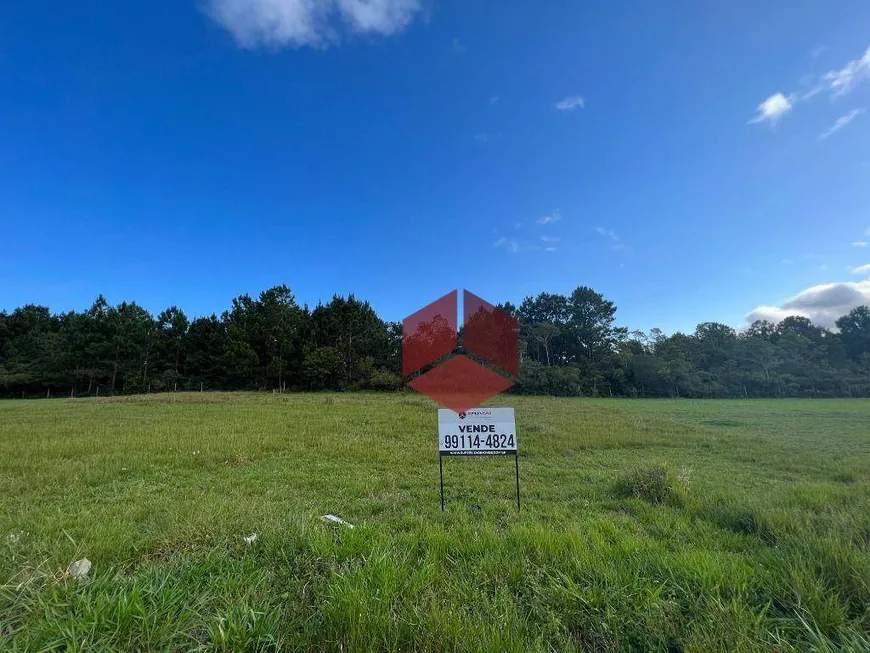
[{"x": 645, "y": 525}]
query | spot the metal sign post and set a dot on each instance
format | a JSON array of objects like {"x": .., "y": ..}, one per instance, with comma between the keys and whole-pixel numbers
[
  {"x": 441, "y": 472},
  {"x": 477, "y": 432}
]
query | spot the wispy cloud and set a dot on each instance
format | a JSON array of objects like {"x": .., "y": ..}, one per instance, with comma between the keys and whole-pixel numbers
[
  {"x": 861, "y": 269},
  {"x": 816, "y": 52},
  {"x": 809, "y": 95},
  {"x": 842, "y": 121},
  {"x": 836, "y": 82},
  {"x": 510, "y": 244},
  {"x": 571, "y": 103},
  {"x": 458, "y": 48},
  {"x": 772, "y": 109},
  {"x": 555, "y": 216},
  {"x": 299, "y": 23},
  {"x": 515, "y": 245},
  {"x": 609, "y": 233},
  {"x": 786, "y": 261},
  {"x": 494, "y": 99},
  {"x": 853, "y": 73},
  {"x": 859, "y": 243},
  {"x": 485, "y": 137}
]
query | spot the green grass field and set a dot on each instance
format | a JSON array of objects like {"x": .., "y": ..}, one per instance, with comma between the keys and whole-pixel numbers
[{"x": 645, "y": 525}]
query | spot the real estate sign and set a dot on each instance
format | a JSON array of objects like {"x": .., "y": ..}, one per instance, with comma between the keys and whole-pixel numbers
[{"x": 477, "y": 432}]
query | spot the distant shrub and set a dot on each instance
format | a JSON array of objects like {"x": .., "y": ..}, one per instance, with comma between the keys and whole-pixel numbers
[
  {"x": 652, "y": 483},
  {"x": 556, "y": 380},
  {"x": 385, "y": 380}
]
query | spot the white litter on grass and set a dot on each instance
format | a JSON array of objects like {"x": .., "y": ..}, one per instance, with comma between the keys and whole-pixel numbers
[
  {"x": 79, "y": 569},
  {"x": 15, "y": 538},
  {"x": 196, "y": 453},
  {"x": 250, "y": 539},
  {"x": 337, "y": 520}
]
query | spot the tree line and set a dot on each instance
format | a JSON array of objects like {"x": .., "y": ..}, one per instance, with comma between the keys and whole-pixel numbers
[{"x": 569, "y": 346}]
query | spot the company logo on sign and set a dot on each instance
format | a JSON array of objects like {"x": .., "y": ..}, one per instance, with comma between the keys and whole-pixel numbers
[{"x": 457, "y": 380}]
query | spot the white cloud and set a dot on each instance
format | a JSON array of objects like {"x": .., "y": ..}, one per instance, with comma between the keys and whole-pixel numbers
[
  {"x": 817, "y": 51},
  {"x": 861, "y": 269},
  {"x": 571, "y": 103},
  {"x": 550, "y": 249},
  {"x": 379, "y": 16},
  {"x": 842, "y": 121},
  {"x": 299, "y": 23},
  {"x": 859, "y": 243},
  {"x": 550, "y": 239},
  {"x": 458, "y": 47},
  {"x": 786, "y": 261},
  {"x": 485, "y": 137},
  {"x": 493, "y": 99},
  {"x": 509, "y": 244},
  {"x": 555, "y": 216},
  {"x": 813, "y": 92},
  {"x": 809, "y": 81},
  {"x": 612, "y": 235},
  {"x": 772, "y": 109},
  {"x": 836, "y": 82},
  {"x": 822, "y": 304},
  {"x": 844, "y": 80}
]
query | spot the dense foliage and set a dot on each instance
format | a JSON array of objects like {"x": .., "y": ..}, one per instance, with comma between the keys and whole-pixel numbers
[{"x": 569, "y": 346}]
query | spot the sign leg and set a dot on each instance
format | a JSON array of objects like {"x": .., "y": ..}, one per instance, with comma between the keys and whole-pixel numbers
[
  {"x": 441, "y": 472},
  {"x": 517, "y": 461}
]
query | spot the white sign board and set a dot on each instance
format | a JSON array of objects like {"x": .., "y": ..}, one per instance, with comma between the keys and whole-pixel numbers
[{"x": 477, "y": 432}]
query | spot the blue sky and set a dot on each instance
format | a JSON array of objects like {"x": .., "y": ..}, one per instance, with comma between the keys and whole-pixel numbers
[{"x": 691, "y": 161}]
